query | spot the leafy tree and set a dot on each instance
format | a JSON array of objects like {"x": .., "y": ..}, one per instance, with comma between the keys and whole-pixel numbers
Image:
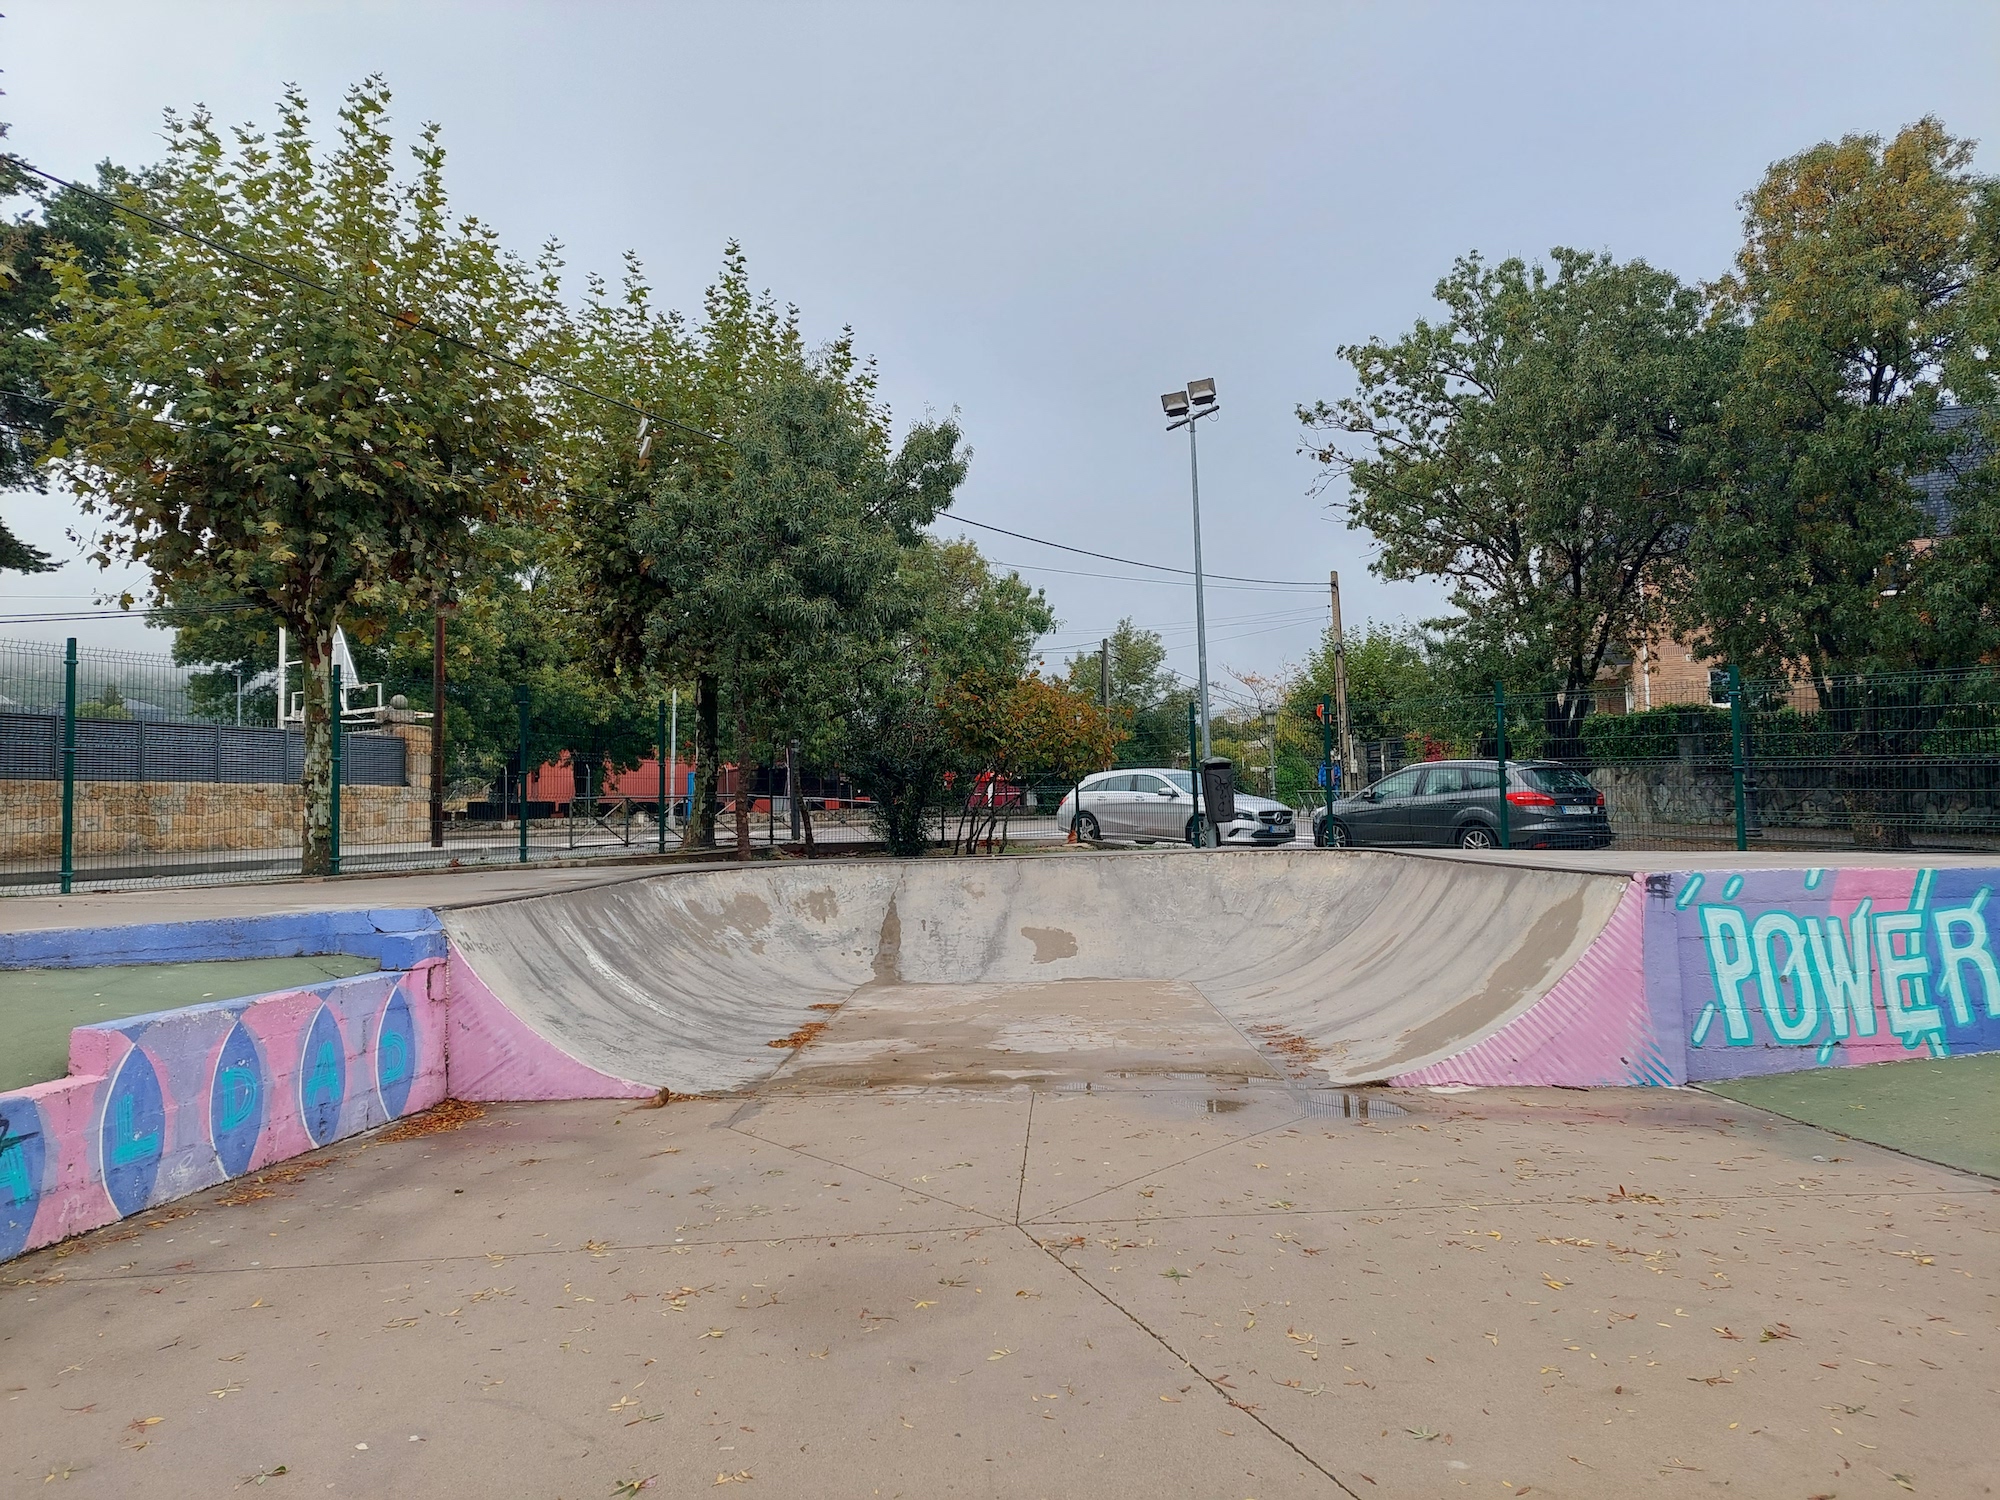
[
  {"x": 309, "y": 448},
  {"x": 1149, "y": 697},
  {"x": 79, "y": 224},
  {"x": 1542, "y": 447},
  {"x": 967, "y": 617},
  {"x": 1860, "y": 264},
  {"x": 1024, "y": 728}
]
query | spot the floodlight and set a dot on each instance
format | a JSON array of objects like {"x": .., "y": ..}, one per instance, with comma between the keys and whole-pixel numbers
[
  {"x": 1201, "y": 392},
  {"x": 1175, "y": 403}
]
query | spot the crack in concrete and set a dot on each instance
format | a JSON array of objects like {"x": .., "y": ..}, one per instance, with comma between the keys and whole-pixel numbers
[{"x": 1209, "y": 1380}]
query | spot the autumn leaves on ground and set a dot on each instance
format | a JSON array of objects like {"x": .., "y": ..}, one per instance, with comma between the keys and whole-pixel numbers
[{"x": 1223, "y": 1289}]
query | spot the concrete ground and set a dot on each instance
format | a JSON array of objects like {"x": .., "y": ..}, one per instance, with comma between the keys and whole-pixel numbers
[
  {"x": 40, "y": 1007},
  {"x": 1008, "y": 1246}
]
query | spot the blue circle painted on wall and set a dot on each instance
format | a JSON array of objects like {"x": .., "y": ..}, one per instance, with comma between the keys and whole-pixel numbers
[
  {"x": 395, "y": 1054},
  {"x": 132, "y": 1135},
  {"x": 322, "y": 1078},
  {"x": 23, "y": 1155},
  {"x": 236, "y": 1101}
]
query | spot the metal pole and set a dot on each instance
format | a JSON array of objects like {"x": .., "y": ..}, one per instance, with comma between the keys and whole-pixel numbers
[
  {"x": 1340, "y": 679},
  {"x": 1104, "y": 672},
  {"x": 1200, "y": 607},
  {"x": 660, "y": 748},
  {"x": 1326, "y": 756},
  {"x": 521, "y": 711},
  {"x": 1500, "y": 754},
  {"x": 673, "y": 735},
  {"x": 1194, "y": 778},
  {"x": 1736, "y": 754},
  {"x": 333, "y": 865},
  {"x": 437, "y": 729},
  {"x": 791, "y": 785},
  {"x": 239, "y": 697},
  {"x": 69, "y": 767}
]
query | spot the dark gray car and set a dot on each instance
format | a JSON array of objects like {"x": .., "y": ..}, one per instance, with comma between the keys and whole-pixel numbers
[{"x": 1447, "y": 802}]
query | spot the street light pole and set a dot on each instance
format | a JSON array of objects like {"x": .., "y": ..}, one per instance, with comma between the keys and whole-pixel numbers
[{"x": 1187, "y": 408}]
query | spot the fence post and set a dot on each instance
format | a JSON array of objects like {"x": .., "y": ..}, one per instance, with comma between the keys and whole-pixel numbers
[
  {"x": 1194, "y": 778},
  {"x": 69, "y": 767},
  {"x": 334, "y": 863},
  {"x": 521, "y": 711},
  {"x": 1500, "y": 754},
  {"x": 660, "y": 747},
  {"x": 1326, "y": 712},
  {"x": 1736, "y": 753}
]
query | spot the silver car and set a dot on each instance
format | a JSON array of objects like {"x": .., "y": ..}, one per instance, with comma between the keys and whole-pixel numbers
[{"x": 1156, "y": 805}]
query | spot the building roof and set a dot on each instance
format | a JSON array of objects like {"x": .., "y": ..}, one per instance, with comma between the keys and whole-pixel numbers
[{"x": 1934, "y": 490}]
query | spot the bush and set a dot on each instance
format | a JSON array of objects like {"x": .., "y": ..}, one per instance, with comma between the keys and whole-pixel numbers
[{"x": 1657, "y": 734}]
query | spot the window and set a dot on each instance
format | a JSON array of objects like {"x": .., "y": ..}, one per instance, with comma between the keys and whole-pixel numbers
[
  {"x": 1443, "y": 781},
  {"x": 1482, "y": 778},
  {"x": 1150, "y": 786},
  {"x": 1114, "y": 784},
  {"x": 1402, "y": 784},
  {"x": 1182, "y": 779},
  {"x": 1556, "y": 779}
]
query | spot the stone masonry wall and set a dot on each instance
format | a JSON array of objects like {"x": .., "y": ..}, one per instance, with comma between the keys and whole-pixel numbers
[{"x": 187, "y": 817}]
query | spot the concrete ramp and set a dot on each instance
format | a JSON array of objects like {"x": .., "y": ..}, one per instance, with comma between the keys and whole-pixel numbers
[{"x": 1337, "y": 968}]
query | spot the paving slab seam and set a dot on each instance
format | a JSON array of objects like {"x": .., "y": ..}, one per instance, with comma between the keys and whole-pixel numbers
[
  {"x": 1213, "y": 1384},
  {"x": 1241, "y": 1140},
  {"x": 991, "y": 1219}
]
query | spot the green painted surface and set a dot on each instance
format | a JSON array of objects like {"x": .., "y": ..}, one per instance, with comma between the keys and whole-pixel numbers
[
  {"x": 1944, "y": 1110},
  {"x": 39, "y": 1007}
]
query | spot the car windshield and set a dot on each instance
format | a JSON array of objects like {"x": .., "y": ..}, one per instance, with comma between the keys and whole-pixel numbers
[
  {"x": 1556, "y": 779},
  {"x": 1182, "y": 779}
]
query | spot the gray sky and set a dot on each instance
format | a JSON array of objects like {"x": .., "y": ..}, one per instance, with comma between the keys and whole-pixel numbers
[{"x": 1044, "y": 216}]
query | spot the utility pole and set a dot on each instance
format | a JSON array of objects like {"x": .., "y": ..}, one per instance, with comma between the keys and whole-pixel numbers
[
  {"x": 1104, "y": 672},
  {"x": 1340, "y": 686}
]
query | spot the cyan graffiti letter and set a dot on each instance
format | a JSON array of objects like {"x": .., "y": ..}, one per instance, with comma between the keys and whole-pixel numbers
[
  {"x": 14, "y": 1169},
  {"x": 1729, "y": 963},
  {"x": 132, "y": 1146},
  {"x": 1771, "y": 974},
  {"x": 394, "y": 1057},
  {"x": 239, "y": 1096},
  {"x": 1905, "y": 993},
  {"x": 1975, "y": 950},
  {"x": 325, "y": 1080},
  {"x": 1845, "y": 962}
]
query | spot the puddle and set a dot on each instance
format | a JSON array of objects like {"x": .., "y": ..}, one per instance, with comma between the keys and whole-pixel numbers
[
  {"x": 1221, "y": 1106},
  {"x": 1339, "y": 1104}
]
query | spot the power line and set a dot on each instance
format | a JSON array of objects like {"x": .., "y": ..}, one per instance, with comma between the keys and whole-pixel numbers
[
  {"x": 401, "y": 320},
  {"x": 1165, "y": 583},
  {"x": 1130, "y": 562}
]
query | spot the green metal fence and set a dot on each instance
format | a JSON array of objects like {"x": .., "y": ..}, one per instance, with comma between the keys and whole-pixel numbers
[{"x": 1851, "y": 762}]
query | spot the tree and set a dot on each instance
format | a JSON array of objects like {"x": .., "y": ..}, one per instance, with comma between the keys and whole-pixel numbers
[
  {"x": 1149, "y": 697},
  {"x": 232, "y": 422},
  {"x": 81, "y": 224},
  {"x": 1014, "y": 730},
  {"x": 1542, "y": 447},
  {"x": 1861, "y": 262},
  {"x": 967, "y": 617}
]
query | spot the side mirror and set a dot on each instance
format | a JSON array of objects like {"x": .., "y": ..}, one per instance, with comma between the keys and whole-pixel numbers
[{"x": 1168, "y": 792}]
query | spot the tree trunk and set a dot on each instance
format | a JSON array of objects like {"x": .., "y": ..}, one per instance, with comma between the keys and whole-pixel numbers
[
  {"x": 700, "y": 832},
  {"x": 805, "y": 822},
  {"x": 742, "y": 789},
  {"x": 316, "y": 774}
]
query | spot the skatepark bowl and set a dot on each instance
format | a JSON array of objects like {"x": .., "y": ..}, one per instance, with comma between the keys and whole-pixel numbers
[{"x": 1271, "y": 1174}]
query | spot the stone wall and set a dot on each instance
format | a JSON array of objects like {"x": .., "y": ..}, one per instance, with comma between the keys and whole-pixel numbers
[
  {"x": 193, "y": 817},
  {"x": 1941, "y": 799}
]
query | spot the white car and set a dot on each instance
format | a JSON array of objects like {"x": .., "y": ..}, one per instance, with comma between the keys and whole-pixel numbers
[{"x": 1156, "y": 804}]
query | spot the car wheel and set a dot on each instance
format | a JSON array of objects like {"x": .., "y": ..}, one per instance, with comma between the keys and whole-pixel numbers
[
  {"x": 1336, "y": 836},
  {"x": 1477, "y": 836},
  {"x": 1319, "y": 835},
  {"x": 1192, "y": 832},
  {"x": 1086, "y": 827}
]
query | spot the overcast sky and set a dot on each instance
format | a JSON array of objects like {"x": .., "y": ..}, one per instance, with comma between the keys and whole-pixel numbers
[{"x": 1043, "y": 217}]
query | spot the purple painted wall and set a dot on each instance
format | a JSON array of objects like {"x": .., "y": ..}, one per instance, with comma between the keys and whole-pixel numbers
[{"x": 156, "y": 1107}]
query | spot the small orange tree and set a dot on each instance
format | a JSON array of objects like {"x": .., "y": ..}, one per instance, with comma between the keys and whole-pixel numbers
[{"x": 1015, "y": 728}]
